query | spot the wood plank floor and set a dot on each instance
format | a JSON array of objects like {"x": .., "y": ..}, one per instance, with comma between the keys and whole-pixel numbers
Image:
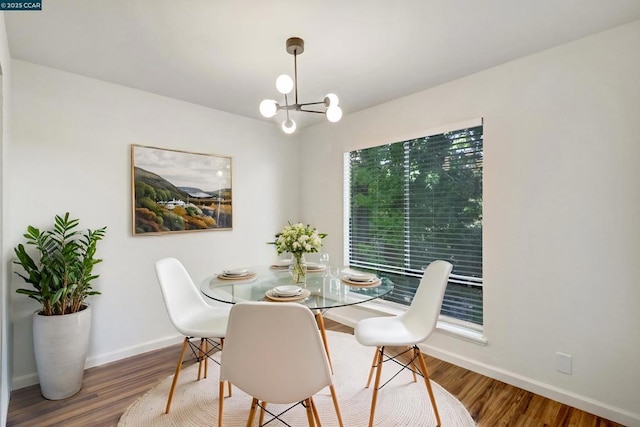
[{"x": 109, "y": 389}]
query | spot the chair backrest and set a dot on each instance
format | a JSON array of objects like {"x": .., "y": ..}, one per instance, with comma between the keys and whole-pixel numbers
[
  {"x": 422, "y": 315},
  {"x": 273, "y": 352},
  {"x": 181, "y": 296}
]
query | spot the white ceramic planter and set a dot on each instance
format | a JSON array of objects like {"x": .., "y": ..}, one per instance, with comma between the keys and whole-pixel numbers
[{"x": 60, "y": 344}]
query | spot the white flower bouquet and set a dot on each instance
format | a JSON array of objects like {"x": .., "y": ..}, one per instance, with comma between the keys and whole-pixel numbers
[{"x": 298, "y": 239}]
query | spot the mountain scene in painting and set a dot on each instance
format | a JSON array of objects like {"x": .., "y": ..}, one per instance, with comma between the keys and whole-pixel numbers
[{"x": 161, "y": 206}]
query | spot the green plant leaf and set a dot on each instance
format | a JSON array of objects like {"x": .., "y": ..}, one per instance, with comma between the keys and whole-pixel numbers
[{"x": 61, "y": 274}]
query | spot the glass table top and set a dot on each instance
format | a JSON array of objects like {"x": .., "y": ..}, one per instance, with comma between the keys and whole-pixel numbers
[{"x": 325, "y": 291}]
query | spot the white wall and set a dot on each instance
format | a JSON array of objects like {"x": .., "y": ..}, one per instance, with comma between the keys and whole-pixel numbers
[
  {"x": 70, "y": 151},
  {"x": 561, "y": 206},
  {"x": 561, "y": 210},
  {"x": 5, "y": 335}
]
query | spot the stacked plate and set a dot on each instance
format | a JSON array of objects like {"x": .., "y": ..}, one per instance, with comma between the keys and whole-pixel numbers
[
  {"x": 287, "y": 291},
  {"x": 238, "y": 274},
  {"x": 354, "y": 278},
  {"x": 284, "y": 264},
  {"x": 281, "y": 264},
  {"x": 360, "y": 277},
  {"x": 312, "y": 266}
]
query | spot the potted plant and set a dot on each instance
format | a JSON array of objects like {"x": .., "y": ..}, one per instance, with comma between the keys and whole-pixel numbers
[{"x": 61, "y": 276}]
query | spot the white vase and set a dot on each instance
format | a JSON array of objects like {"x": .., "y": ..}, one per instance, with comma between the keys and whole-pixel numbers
[{"x": 61, "y": 344}]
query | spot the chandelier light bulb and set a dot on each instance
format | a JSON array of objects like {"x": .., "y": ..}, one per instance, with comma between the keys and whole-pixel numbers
[
  {"x": 284, "y": 84},
  {"x": 334, "y": 114},
  {"x": 268, "y": 108},
  {"x": 331, "y": 100},
  {"x": 289, "y": 126}
]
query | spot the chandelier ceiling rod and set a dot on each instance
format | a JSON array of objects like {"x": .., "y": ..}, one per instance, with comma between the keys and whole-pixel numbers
[
  {"x": 285, "y": 84},
  {"x": 295, "y": 64}
]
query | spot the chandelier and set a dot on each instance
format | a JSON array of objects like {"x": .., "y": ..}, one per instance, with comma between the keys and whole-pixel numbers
[{"x": 285, "y": 84}]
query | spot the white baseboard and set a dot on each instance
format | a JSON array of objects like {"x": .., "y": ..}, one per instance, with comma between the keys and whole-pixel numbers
[
  {"x": 32, "y": 378},
  {"x": 349, "y": 316},
  {"x": 575, "y": 400},
  {"x": 24, "y": 381},
  {"x": 133, "y": 350}
]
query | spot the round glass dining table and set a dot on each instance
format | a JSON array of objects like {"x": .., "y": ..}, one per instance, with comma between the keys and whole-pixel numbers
[
  {"x": 321, "y": 290},
  {"x": 325, "y": 291}
]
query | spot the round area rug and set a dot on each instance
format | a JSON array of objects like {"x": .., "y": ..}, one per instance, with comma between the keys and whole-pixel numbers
[{"x": 400, "y": 403}]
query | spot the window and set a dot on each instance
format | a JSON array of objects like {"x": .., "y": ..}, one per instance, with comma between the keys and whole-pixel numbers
[{"x": 415, "y": 201}]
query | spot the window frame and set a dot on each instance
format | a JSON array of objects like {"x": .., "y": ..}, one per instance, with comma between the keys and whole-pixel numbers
[{"x": 452, "y": 325}]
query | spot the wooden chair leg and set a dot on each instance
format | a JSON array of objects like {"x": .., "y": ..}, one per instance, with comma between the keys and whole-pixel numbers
[
  {"x": 413, "y": 363},
  {"x": 323, "y": 334},
  {"x": 373, "y": 365},
  {"x": 335, "y": 404},
  {"x": 308, "y": 406},
  {"x": 200, "y": 358},
  {"x": 206, "y": 357},
  {"x": 222, "y": 348},
  {"x": 263, "y": 408},
  {"x": 252, "y": 412},
  {"x": 220, "y": 402},
  {"x": 374, "y": 398},
  {"x": 425, "y": 374},
  {"x": 316, "y": 415},
  {"x": 176, "y": 374}
]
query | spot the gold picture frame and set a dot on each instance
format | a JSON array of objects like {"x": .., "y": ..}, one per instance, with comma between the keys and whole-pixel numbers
[{"x": 175, "y": 191}]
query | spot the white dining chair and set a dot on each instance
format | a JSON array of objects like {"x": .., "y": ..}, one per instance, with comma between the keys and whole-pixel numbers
[
  {"x": 274, "y": 353},
  {"x": 407, "y": 331},
  {"x": 191, "y": 315}
]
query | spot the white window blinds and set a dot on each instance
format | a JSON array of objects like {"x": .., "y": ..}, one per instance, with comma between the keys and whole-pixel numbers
[{"x": 415, "y": 201}]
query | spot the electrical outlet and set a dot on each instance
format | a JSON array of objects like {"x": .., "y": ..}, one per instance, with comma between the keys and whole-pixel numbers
[{"x": 563, "y": 363}]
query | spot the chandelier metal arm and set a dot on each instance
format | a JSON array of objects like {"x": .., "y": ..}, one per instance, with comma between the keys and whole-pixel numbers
[
  {"x": 287, "y": 106},
  {"x": 298, "y": 107},
  {"x": 310, "y": 111},
  {"x": 313, "y": 103}
]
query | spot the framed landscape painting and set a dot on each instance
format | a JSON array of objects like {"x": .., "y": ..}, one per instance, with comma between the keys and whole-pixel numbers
[{"x": 175, "y": 191}]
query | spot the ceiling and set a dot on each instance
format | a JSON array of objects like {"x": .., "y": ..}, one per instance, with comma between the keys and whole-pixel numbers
[{"x": 227, "y": 54}]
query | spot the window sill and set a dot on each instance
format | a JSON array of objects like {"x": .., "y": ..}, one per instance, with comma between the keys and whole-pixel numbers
[{"x": 463, "y": 332}]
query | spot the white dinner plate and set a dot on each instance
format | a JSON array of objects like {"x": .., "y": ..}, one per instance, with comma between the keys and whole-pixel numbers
[
  {"x": 314, "y": 266},
  {"x": 282, "y": 263},
  {"x": 287, "y": 290},
  {"x": 361, "y": 277},
  {"x": 238, "y": 272}
]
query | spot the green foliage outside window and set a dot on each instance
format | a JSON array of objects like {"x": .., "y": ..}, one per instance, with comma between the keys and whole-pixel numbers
[{"x": 416, "y": 201}]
